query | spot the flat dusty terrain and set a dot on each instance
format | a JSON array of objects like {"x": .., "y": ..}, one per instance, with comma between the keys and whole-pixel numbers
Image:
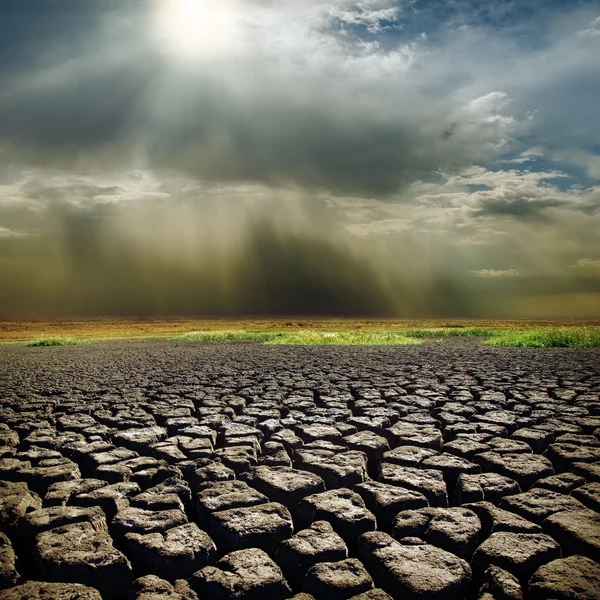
[
  {"x": 239, "y": 470},
  {"x": 21, "y": 330}
]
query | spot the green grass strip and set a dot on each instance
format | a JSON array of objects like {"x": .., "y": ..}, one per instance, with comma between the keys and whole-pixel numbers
[
  {"x": 218, "y": 336},
  {"x": 442, "y": 332},
  {"x": 540, "y": 337},
  {"x": 306, "y": 337},
  {"x": 550, "y": 337},
  {"x": 311, "y": 337},
  {"x": 57, "y": 341}
]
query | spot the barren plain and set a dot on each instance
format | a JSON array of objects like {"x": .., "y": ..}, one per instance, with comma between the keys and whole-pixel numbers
[{"x": 164, "y": 470}]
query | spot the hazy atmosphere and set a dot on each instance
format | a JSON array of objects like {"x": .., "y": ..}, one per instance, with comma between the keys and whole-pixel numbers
[{"x": 241, "y": 157}]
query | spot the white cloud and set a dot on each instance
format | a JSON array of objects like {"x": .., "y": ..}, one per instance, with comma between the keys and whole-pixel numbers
[
  {"x": 381, "y": 227},
  {"x": 526, "y": 156},
  {"x": 10, "y": 233},
  {"x": 510, "y": 193},
  {"x": 493, "y": 273},
  {"x": 589, "y": 161},
  {"x": 593, "y": 29},
  {"x": 363, "y": 14},
  {"x": 587, "y": 264},
  {"x": 488, "y": 104}
]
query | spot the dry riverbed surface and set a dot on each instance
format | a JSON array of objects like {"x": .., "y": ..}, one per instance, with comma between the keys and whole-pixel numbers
[{"x": 163, "y": 470}]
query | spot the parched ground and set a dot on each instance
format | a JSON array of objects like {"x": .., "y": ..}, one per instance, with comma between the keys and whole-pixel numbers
[{"x": 153, "y": 470}]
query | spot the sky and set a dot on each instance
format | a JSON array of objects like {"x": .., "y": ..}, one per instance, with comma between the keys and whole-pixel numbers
[{"x": 407, "y": 158}]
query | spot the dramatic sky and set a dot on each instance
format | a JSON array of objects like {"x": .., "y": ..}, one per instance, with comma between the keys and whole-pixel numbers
[{"x": 379, "y": 157}]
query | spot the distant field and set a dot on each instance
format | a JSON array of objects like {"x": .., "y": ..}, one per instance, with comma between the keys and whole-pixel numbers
[
  {"x": 530, "y": 337},
  {"x": 299, "y": 330},
  {"x": 17, "y": 330}
]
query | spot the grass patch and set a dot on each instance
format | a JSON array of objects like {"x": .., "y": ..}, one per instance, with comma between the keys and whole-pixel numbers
[
  {"x": 538, "y": 337},
  {"x": 219, "y": 336},
  {"x": 311, "y": 337},
  {"x": 442, "y": 332},
  {"x": 550, "y": 337},
  {"x": 361, "y": 334},
  {"x": 306, "y": 337},
  {"x": 57, "y": 341}
]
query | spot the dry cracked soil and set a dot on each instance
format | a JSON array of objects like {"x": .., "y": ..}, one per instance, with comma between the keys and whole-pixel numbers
[{"x": 159, "y": 470}]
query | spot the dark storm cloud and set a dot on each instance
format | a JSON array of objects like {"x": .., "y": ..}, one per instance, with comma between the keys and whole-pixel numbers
[
  {"x": 108, "y": 96},
  {"x": 86, "y": 84},
  {"x": 520, "y": 208},
  {"x": 89, "y": 117}
]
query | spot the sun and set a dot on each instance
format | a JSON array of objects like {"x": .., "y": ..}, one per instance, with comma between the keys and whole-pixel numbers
[{"x": 195, "y": 29}]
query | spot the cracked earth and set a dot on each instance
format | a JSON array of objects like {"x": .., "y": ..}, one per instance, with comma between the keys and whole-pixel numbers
[{"x": 159, "y": 470}]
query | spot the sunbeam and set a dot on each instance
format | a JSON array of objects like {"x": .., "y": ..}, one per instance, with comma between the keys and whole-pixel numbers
[{"x": 197, "y": 29}]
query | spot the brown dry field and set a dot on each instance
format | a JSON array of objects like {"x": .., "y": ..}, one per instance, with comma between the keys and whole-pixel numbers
[{"x": 20, "y": 330}]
